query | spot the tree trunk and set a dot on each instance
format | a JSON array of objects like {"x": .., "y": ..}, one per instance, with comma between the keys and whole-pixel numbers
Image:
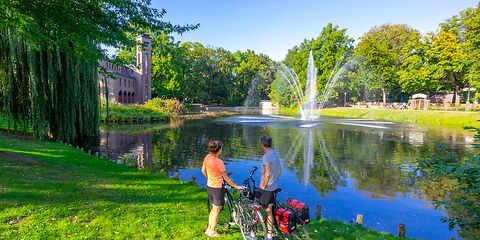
[
  {"x": 468, "y": 94},
  {"x": 456, "y": 96},
  {"x": 384, "y": 96},
  {"x": 208, "y": 96}
]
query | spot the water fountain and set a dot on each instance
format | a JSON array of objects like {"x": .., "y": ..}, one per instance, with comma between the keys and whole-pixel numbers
[{"x": 307, "y": 100}]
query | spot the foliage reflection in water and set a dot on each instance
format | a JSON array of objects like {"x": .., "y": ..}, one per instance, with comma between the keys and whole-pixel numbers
[{"x": 348, "y": 166}]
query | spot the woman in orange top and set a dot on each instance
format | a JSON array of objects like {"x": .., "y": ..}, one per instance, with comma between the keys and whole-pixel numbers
[{"x": 214, "y": 169}]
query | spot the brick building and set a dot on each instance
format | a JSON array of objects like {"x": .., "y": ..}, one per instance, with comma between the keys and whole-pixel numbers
[{"x": 130, "y": 85}]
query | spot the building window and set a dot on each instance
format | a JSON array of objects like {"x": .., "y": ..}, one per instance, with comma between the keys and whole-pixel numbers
[
  {"x": 120, "y": 82},
  {"x": 125, "y": 82}
]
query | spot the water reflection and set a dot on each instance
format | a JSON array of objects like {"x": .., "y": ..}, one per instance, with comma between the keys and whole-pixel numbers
[
  {"x": 346, "y": 167},
  {"x": 129, "y": 149}
]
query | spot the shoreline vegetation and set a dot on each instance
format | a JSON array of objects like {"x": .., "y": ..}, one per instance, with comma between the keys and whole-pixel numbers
[
  {"x": 50, "y": 190},
  {"x": 155, "y": 110},
  {"x": 434, "y": 118}
]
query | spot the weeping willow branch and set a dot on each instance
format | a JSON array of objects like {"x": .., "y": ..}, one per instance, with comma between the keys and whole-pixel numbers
[{"x": 50, "y": 89}]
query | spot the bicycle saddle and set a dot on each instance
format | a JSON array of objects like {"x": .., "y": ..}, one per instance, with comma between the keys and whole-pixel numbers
[{"x": 277, "y": 190}]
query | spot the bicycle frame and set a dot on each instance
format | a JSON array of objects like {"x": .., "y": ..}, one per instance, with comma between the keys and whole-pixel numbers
[{"x": 276, "y": 205}]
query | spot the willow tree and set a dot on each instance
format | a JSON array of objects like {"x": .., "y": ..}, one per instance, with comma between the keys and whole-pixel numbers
[{"x": 49, "y": 58}]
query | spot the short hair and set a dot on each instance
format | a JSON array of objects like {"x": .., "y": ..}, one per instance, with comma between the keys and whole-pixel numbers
[
  {"x": 266, "y": 141},
  {"x": 214, "y": 146}
]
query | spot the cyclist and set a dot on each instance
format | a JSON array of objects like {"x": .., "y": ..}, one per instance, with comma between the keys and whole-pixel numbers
[
  {"x": 271, "y": 170},
  {"x": 214, "y": 169}
]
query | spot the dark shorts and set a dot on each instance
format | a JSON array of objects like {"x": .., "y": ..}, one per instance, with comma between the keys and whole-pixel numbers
[
  {"x": 216, "y": 196},
  {"x": 264, "y": 197}
]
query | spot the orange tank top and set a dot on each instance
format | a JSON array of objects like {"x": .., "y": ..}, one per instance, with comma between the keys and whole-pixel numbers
[{"x": 211, "y": 168}]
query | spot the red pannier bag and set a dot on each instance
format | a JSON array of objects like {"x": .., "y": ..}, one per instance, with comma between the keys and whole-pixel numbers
[
  {"x": 285, "y": 220},
  {"x": 301, "y": 210}
]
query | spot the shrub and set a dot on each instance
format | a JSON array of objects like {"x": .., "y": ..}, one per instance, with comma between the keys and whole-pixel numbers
[
  {"x": 155, "y": 103},
  {"x": 464, "y": 202},
  {"x": 173, "y": 107},
  {"x": 169, "y": 106}
]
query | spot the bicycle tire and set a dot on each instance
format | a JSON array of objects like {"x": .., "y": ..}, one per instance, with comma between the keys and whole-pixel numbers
[
  {"x": 300, "y": 233},
  {"x": 254, "y": 221}
]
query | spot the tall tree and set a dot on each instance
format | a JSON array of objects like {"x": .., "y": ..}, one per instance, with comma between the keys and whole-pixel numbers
[
  {"x": 472, "y": 38},
  {"x": 49, "y": 52},
  {"x": 416, "y": 73},
  {"x": 447, "y": 61},
  {"x": 327, "y": 48},
  {"x": 382, "y": 47}
]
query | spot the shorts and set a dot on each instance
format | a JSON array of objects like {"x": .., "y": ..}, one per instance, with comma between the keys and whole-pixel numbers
[
  {"x": 264, "y": 197},
  {"x": 216, "y": 196}
]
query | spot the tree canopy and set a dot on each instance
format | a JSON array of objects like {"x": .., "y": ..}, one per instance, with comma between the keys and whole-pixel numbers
[{"x": 49, "y": 52}]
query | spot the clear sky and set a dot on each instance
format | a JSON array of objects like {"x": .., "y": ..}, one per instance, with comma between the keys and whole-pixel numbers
[{"x": 274, "y": 26}]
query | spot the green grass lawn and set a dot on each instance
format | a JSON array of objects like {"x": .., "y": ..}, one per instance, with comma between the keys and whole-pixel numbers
[
  {"x": 52, "y": 191},
  {"x": 453, "y": 119}
]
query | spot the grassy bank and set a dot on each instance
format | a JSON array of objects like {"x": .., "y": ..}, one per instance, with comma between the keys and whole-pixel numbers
[
  {"x": 455, "y": 119},
  {"x": 49, "y": 191},
  {"x": 132, "y": 113}
]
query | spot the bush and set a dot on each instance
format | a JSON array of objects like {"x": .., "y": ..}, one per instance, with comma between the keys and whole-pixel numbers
[
  {"x": 463, "y": 202},
  {"x": 169, "y": 106},
  {"x": 131, "y": 113},
  {"x": 173, "y": 107},
  {"x": 155, "y": 103}
]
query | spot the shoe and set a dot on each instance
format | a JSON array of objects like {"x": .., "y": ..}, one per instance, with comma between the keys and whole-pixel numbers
[{"x": 212, "y": 233}]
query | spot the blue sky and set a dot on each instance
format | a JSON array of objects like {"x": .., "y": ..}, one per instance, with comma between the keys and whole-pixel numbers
[{"x": 272, "y": 27}]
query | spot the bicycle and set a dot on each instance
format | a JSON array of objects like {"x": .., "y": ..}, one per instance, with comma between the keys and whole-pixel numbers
[
  {"x": 297, "y": 233},
  {"x": 243, "y": 213}
]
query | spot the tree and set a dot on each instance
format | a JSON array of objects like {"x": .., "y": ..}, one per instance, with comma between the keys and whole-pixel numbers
[
  {"x": 416, "y": 73},
  {"x": 49, "y": 60},
  {"x": 382, "y": 47},
  {"x": 472, "y": 42},
  {"x": 447, "y": 61},
  {"x": 327, "y": 49}
]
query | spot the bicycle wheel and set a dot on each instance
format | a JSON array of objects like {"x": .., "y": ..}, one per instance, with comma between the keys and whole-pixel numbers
[
  {"x": 300, "y": 234},
  {"x": 254, "y": 224}
]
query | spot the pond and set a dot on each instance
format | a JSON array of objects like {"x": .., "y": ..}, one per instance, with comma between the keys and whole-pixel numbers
[{"x": 347, "y": 166}]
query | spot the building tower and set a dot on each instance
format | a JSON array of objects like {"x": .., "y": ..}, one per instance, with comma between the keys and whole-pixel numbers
[{"x": 144, "y": 62}]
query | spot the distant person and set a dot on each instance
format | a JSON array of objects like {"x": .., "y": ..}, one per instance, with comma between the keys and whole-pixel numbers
[
  {"x": 214, "y": 169},
  {"x": 271, "y": 170}
]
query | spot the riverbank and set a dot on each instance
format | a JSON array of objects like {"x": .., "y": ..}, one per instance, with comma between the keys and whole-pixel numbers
[
  {"x": 132, "y": 114},
  {"x": 50, "y": 190},
  {"x": 147, "y": 114},
  {"x": 434, "y": 118}
]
